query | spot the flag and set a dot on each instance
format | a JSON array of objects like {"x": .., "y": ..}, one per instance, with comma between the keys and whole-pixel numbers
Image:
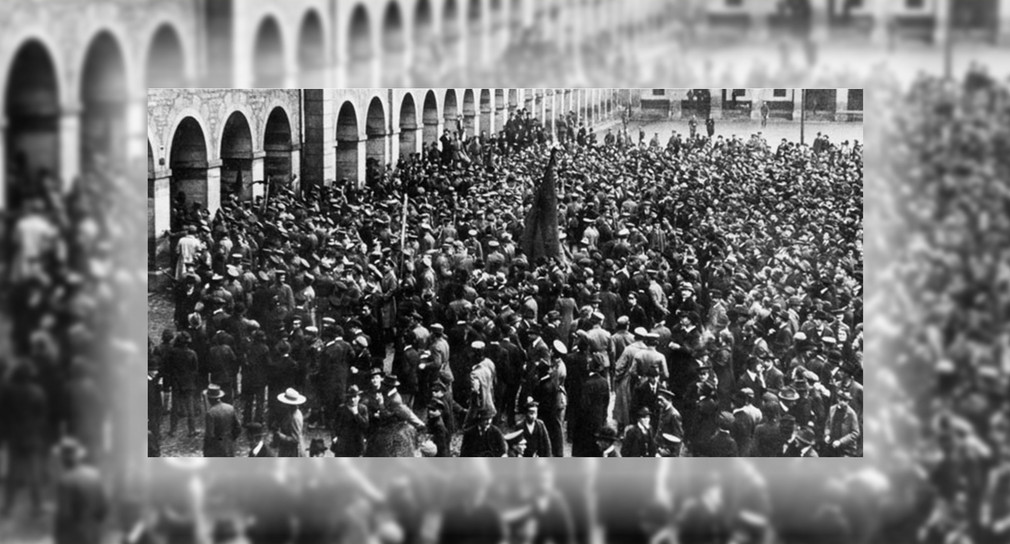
[{"x": 540, "y": 235}]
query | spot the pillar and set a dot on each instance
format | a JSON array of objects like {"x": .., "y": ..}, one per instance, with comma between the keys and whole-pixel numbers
[
  {"x": 362, "y": 155},
  {"x": 797, "y": 104},
  {"x": 841, "y": 104},
  {"x": 70, "y": 145},
  {"x": 940, "y": 31},
  {"x": 259, "y": 173},
  {"x": 3, "y": 165},
  {"x": 881, "y": 21},
  {"x": 213, "y": 186},
  {"x": 162, "y": 201},
  {"x": 296, "y": 167},
  {"x": 1003, "y": 34},
  {"x": 392, "y": 143},
  {"x": 715, "y": 97}
]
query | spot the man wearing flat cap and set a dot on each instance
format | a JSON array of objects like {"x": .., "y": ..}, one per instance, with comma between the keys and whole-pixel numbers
[
  {"x": 483, "y": 439},
  {"x": 533, "y": 430}
]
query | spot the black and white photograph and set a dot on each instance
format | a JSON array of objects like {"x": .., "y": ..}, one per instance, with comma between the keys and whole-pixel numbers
[{"x": 506, "y": 272}]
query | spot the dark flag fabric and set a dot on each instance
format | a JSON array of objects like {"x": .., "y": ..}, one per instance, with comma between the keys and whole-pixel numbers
[{"x": 540, "y": 235}]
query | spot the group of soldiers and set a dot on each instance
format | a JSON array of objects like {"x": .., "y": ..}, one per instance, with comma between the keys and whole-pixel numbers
[{"x": 692, "y": 311}]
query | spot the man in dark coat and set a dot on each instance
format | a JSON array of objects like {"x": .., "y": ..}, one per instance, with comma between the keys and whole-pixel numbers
[
  {"x": 436, "y": 427},
  {"x": 771, "y": 435},
  {"x": 646, "y": 395},
  {"x": 350, "y": 426},
  {"x": 592, "y": 404},
  {"x": 222, "y": 427},
  {"x": 483, "y": 439},
  {"x": 185, "y": 370},
  {"x": 81, "y": 500},
  {"x": 721, "y": 444},
  {"x": 538, "y": 442},
  {"x": 638, "y": 438},
  {"x": 259, "y": 448},
  {"x": 668, "y": 421}
]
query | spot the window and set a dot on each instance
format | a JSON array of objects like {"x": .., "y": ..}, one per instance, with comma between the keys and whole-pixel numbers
[
  {"x": 658, "y": 92},
  {"x": 737, "y": 93},
  {"x": 779, "y": 93}
]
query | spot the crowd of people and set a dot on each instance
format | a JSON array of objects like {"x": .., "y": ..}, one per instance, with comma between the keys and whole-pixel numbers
[{"x": 694, "y": 309}]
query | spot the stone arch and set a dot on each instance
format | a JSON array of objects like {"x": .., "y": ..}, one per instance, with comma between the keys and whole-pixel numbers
[
  {"x": 486, "y": 111},
  {"x": 430, "y": 117},
  {"x": 104, "y": 94},
  {"x": 165, "y": 61},
  {"x": 347, "y": 138},
  {"x": 450, "y": 109},
  {"x": 469, "y": 112},
  {"x": 408, "y": 126},
  {"x": 312, "y": 57},
  {"x": 269, "y": 66},
  {"x": 188, "y": 158},
  {"x": 236, "y": 153},
  {"x": 375, "y": 144},
  {"x": 32, "y": 107},
  {"x": 277, "y": 146}
]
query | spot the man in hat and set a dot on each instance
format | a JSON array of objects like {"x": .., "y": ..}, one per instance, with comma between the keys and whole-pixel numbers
[
  {"x": 81, "y": 501},
  {"x": 533, "y": 430},
  {"x": 606, "y": 442},
  {"x": 440, "y": 435},
  {"x": 646, "y": 395},
  {"x": 638, "y": 438},
  {"x": 625, "y": 382},
  {"x": 747, "y": 417},
  {"x": 599, "y": 342},
  {"x": 483, "y": 439},
  {"x": 668, "y": 422},
  {"x": 260, "y": 448},
  {"x": 592, "y": 405},
  {"x": 291, "y": 428},
  {"x": 842, "y": 433},
  {"x": 222, "y": 427},
  {"x": 350, "y": 426},
  {"x": 721, "y": 444},
  {"x": 184, "y": 367},
  {"x": 650, "y": 358},
  {"x": 186, "y": 250},
  {"x": 222, "y": 364},
  {"x": 482, "y": 382},
  {"x": 805, "y": 441}
]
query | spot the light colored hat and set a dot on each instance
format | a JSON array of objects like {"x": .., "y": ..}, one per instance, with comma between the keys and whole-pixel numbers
[{"x": 291, "y": 397}]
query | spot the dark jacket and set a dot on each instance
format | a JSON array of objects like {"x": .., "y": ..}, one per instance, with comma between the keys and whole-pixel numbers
[
  {"x": 538, "y": 442},
  {"x": 638, "y": 443},
  {"x": 349, "y": 430},
  {"x": 490, "y": 443},
  {"x": 221, "y": 431},
  {"x": 81, "y": 507}
]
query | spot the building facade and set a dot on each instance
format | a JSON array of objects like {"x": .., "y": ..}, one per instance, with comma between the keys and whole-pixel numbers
[
  {"x": 820, "y": 104},
  {"x": 208, "y": 143}
]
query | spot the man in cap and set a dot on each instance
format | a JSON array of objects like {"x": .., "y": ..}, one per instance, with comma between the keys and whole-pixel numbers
[
  {"x": 668, "y": 422},
  {"x": 533, "y": 430},
  {"x": 842, "y": 433},
  {"x": 647, "y": 394},
  {"x": 483, "y": 439},
  {"x": 650, "y": 358},
  {"x": 625, "y": 382},
  {"x": 592, "y": 405},
  {"x": 259, "y": 447},
  {"x": 746, "y": 418},
  {"x": 82, "y": 504},
  {"x": 222, "y": 427},
  {"x": 482, "y": 380},
  {"x": 638, "y": 438},
  {"x": 350, "y": 426}
]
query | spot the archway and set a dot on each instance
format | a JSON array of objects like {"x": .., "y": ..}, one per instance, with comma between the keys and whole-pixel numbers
[
  {"x": 32, "y": 108},
  {"x": 347, "y": 144},
  {"x": 429, "y": 116},
  {"x": 312, "y": 60},
  {"x": 165, "y": 65},
  {"x": 408, "y": 127},
  {"x": 188, "y": 161},
  {"x": 277, "y": 145},
  {"x": 236, "y": 158},
  {"x": 450, "y": 110},
  {"x": 423, "y": 20},
  {"x": 375, "y": 146},
  {"x": 103, "y": 100},
  {"x": 485, "y": 112},
  {"x": 359, "y": 69},
  {"x": 469, "y": 113},
  {"x": 268, "y": 59},
  {"x": 393, "y": 44}
]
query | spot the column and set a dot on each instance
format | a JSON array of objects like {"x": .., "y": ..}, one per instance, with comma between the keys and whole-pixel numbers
[
  {"x": 3, "y": 166},
  {"x": 1003, "y": 34},
  {"x": 360, "y": 160},
  {"x": 841, "y": 104},
  {"x": 715, "y": 96},
  {"x": 820, "y": 21},
  {"x": 213, "y": 186},
  {"x": 940, "y": 31},
  {"x": 70, "y": 145},
  {"x": 797, "y": 104},
  {"x": 296, "y": 167},
  {"x": 881, "y": 21},
  {"x": 162, "y": 208},
  {"x": 259, "y": 173}
]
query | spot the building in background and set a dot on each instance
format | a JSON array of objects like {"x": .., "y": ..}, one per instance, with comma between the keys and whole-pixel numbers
[{"x": 821, "y": 104}]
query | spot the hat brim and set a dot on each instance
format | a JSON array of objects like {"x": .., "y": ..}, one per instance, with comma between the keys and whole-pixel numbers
[{"x": 283, "y": 398}]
